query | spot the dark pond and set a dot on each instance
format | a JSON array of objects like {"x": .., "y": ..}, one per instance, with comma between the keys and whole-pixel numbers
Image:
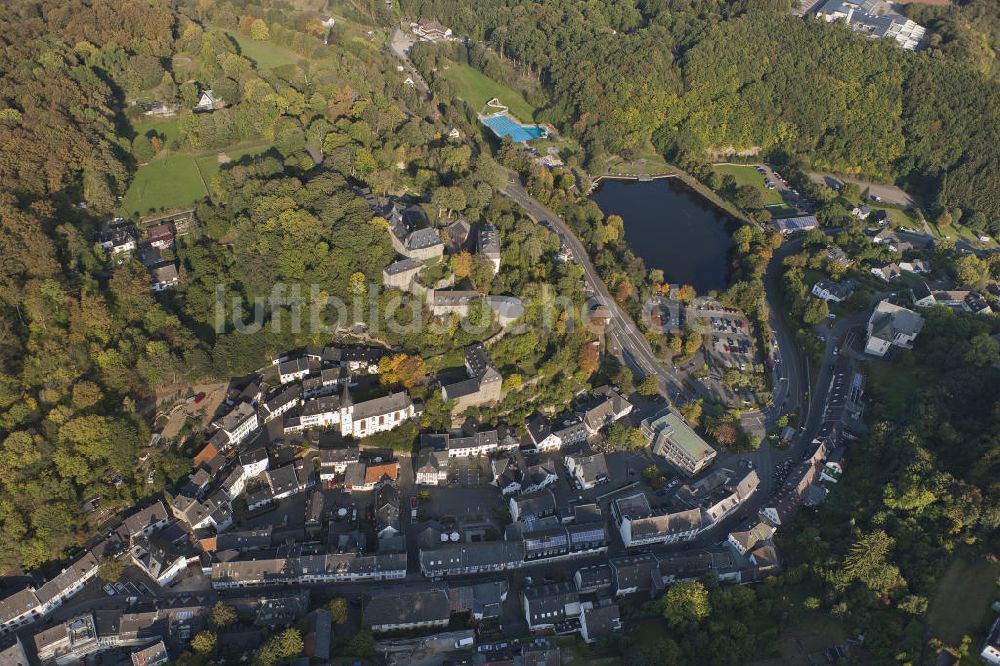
[{"x": 672, "y": 228}]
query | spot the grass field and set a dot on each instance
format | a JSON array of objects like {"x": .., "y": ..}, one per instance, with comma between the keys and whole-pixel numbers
[
  {"x": 173, "y": 181},
  {"x": 476, "y": 88},
  {"x": 209, "y": 164},
  {"x": 962, "y": 597},
  {"x": 166, "y": 128},
  {"x": 265, "y": 54},
  {"x": 163, "y": 184},
  {"x": 747, "y": 175}
]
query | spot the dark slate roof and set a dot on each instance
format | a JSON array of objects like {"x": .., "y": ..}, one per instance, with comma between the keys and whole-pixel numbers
[{"x": 408, "y": 606}]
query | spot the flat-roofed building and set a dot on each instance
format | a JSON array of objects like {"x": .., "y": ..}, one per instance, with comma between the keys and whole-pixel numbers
[{"x": 673, "y": 439}]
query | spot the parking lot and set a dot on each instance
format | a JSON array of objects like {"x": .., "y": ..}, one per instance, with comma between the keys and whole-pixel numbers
[{"x": 732, "y": 344}]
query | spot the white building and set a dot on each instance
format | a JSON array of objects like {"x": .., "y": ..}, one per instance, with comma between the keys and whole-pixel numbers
[
  {"x": 293, "y": 370},
  {"x": 239, "y": 423},
  {"x": 357, "y": 420},
  {"x": 639, "y": 526},
  {"x": 891, "y": 326}
]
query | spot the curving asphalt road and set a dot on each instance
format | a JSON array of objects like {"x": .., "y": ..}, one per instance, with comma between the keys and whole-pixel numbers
[{"x": 622, "y": 330}]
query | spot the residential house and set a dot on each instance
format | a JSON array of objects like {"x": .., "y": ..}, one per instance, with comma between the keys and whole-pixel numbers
[
  {"x": 720, "y": 493},
  {"x": 891, "y": 326},
  {"x": 548, "y": 605},
  {"x": 377, "y": 474},
  {"x": 69, "y": 642},
  {"x": 833, "y": 292},
  {"x": 239, "y": 423},
  {"x": 633, "y": 573},
  {"x": 18, "y": 609},
  {"x": 117, "y": 237},
  {"x": 507, "y": 475},
  {"x": 431, "y": 467},
  {"x": 537, "y": 477},
  {"x": 398, "y": 610},
  {"x": 640, "y": 526},
  {"x": 430, "y": 31},
  {"x": 290, "y": 565},
  {"x": 153, "y": 655},
  {"x": 285, "y": 400},
  {"x": 483, "y": 385},
  {"x": 673, "y": 439},
  {"x": 158, "y": 558},
  {"x": 235, "y": 483},
  {"x": 861, "y": 212},
  {"x": 748, "y": 539},
  {"x": 161, "y": 236},
  {"x": 358, "y": 420},
  {"x": 456, "y": 235},
  {"x": 916, "y": 266},
  {"x": 606, "y": 405},
  {"x": 283, "y": 481},
  {"x": 260, "y": 498},
  {"x": 387, "y": 510},
  {"x": 533, "y": 506},
  {"x": 147, "y": 520},
  {"x": 293, "y": 370},
  {"x": 601, "y": 621},
  {"x": 67, "y": 584},
  {"x": 335, "y": 461},
  {"x": 789, "y": 225},
  {"x": 254, "y": 461},
  {"x": 595, "y": 578},
  {"x": 462, "y": 444},
  {"x": 540, "y": 431},
  {"x": 488, "y": 245},
  {"x": 889, "y": 272},
  {"x": 462, "y": 559},
  {"x": 163, "y": 276},
  {"x": 484, "y": 600},
  {"x": 588, "y": 471},
  {"x": 208, "y": 102}
]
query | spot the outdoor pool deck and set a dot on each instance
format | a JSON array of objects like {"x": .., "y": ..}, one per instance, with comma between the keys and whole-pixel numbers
[{"x": 503, "y": 125}]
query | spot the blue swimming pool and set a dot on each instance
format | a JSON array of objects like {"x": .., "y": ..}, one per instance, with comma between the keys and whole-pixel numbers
[{"x": 503, "y": 125}]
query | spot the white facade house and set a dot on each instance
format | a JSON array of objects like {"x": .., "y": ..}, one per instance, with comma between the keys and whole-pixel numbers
[
  {"x": 891, "y": 326},
  {"x": 357, "y": 420},
  {"x": 239, "y": 423},
  {"x": 254, "y": 462},
  {"x": 293, "y": 370}
]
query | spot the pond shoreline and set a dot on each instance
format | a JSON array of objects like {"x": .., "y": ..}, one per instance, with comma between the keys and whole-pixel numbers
[{"x": 672, "y": 227}]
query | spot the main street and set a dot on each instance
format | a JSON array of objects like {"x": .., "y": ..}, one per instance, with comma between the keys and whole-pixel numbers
[{"x": 791, "y": 389}]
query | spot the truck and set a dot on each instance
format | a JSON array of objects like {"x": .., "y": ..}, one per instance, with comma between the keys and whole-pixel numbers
[{"x": 464, "y": 642}]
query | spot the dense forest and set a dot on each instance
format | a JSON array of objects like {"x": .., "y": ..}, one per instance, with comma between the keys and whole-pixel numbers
[{"x": 695, "y": 80}]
